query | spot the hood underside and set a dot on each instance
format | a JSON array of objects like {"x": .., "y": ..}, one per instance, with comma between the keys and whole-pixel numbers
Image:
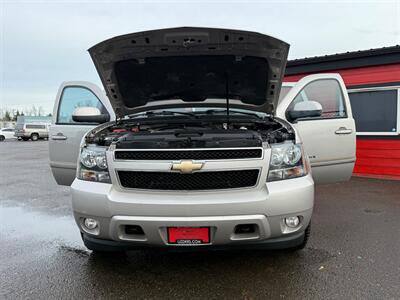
[{"x": 189, "y": 67}]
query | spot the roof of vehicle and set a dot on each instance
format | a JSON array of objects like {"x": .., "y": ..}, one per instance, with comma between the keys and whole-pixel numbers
[{"x": 36, "y": 123}]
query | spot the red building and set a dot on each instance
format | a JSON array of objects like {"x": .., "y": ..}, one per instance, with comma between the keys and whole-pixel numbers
[{"x": 372, "y": 78}]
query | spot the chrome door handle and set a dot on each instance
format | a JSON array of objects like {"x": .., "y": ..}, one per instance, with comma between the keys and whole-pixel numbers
[
  {"x": 58, "y": 137},
  {"x": 343, "y": 130}
]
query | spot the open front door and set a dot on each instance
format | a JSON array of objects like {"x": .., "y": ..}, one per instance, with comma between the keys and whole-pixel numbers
[
  {"x": 330, "y": 139},
  {"x": 65, "y": 134}
]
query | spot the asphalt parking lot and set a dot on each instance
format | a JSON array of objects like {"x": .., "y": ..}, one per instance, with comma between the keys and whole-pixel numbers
[{"x": 354, "y": 251}]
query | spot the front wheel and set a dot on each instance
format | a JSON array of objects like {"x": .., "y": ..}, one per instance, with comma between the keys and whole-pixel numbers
[{"x": 2, "y": 138}]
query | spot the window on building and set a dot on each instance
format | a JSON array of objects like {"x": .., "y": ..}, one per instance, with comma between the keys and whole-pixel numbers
[{"x": 375, "y": 111}]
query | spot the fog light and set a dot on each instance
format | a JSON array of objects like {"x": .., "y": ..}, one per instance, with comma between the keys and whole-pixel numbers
[
  {"x": 90, "y": 223},
  {"x": 292, "y": 222}
]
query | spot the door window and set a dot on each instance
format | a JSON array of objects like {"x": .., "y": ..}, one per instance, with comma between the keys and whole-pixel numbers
[
  {"x": 328, "y": 93},
  {"x": 74, "y": 97},
  {"x": 35, "y": 127}
]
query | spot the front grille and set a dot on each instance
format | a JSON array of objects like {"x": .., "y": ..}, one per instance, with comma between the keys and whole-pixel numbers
[
  {"x": 195, "y": 181},
  {"x": 189, "y": 154}
]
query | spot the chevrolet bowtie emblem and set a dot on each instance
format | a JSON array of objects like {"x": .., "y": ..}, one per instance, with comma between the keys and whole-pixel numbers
[{"x": 186, "y": 166}]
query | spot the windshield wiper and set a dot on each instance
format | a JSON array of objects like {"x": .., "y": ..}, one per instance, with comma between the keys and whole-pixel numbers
[
  {"x": 213, "y": 111},
  {"x": 161, "y": 113}
]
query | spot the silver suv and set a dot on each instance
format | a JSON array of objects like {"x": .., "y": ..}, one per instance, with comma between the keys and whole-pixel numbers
[
  {"x": 32, "y": 131},
  {"x": 192, "y": 147}
]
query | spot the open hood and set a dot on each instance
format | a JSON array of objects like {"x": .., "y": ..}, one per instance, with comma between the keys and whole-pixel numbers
[{"x": 187, "y": 66}]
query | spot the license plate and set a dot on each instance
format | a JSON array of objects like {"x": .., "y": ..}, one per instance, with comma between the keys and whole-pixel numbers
[{"x": 188, "y": 235}]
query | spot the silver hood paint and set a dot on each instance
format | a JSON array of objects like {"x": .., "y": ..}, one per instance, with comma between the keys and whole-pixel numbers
[{"x": 190, "y": 67}]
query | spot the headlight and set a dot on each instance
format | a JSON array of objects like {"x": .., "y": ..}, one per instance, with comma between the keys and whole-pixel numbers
[
  {"x": 287, "y": 161},
  {"x": 93, "y": 165},
  {"x": 88, "y": 157}
]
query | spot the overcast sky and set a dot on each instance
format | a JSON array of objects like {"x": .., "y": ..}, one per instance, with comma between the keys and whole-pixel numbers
[{"x": 45, "y": 42}]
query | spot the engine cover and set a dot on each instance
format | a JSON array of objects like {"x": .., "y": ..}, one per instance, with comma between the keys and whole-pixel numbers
[{"x": 190, "y": 139}]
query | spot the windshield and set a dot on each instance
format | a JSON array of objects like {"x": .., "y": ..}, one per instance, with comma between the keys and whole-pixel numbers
[{"x": 193, "y": 111}]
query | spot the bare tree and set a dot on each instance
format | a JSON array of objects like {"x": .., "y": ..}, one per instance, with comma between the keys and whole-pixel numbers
[
  {"x": 7, "y": 116},
  {"x": 36, "y": 111}
]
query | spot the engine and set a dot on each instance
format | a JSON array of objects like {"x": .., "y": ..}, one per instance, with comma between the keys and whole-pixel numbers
[{"x": 191, "y": 134}]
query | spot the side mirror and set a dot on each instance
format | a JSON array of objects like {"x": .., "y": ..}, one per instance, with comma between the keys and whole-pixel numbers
[
  {"x": 89, "y": 115},
  {"x": 305, "y": 109}
]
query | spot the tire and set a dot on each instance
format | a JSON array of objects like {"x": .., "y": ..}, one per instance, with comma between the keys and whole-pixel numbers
[
  {"x": 25, "y": 139},
  {"x": 305, "y": 241},
  {"x": 34, "y": 137},
  {"x": 2, "y": 138}
]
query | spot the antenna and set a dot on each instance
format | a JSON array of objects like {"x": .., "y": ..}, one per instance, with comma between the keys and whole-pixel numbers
[{"x": 227, "y": 97}]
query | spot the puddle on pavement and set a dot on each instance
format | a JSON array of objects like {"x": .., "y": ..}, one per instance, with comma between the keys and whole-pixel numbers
[
  {"x": 18, "y": 223},
  {"x": 21, "y": 225}
]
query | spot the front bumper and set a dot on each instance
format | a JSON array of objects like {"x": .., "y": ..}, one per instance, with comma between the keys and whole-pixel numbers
[
  {"x": 284, "y": 242},
  {"x": 265, "y": 206}
]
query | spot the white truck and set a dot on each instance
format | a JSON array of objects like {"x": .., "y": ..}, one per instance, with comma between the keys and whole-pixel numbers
[{"x": 192, "y": 147}]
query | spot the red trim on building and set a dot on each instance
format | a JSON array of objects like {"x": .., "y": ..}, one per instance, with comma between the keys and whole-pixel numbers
[
  {"x": 378, "y": 157},
  {"x": 360, "y": 76}
]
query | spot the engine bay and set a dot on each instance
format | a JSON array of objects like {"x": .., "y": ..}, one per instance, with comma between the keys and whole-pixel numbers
[{"x": 184, "y": 132}]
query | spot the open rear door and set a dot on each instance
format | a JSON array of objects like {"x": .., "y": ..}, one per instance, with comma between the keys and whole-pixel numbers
[
  {"x": 65, "y": 134},
  {"x": 328, "y": 140}
]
